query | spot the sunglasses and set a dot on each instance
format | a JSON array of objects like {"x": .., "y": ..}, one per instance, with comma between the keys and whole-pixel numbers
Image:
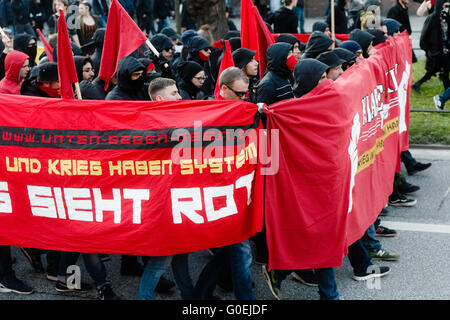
[{"x": 240, "y": 94}]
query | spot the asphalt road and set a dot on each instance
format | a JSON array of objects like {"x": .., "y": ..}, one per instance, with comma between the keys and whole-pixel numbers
[{"x": 422, "y": 242}]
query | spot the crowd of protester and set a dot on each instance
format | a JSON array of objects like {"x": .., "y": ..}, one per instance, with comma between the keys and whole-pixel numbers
[{"x": 187, "y": 68}]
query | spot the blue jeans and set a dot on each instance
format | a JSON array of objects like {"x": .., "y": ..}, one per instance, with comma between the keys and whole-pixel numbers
[
  {"x": 240, "y": 256},
  {"x": 157, "y": 266},
  {"x": 300, "y": 13},
  {"x": 162, "y": 23},
  {"x": 407, "y": 159},
  {"x": 369, "y": 240},
  {"x": 445, "y": 96},
  {"x": 94, "y": 266},
  {"x": 327, "y": 284}
]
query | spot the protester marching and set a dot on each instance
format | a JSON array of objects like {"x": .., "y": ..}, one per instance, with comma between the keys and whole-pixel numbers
[{"x": 295, "y": 162}]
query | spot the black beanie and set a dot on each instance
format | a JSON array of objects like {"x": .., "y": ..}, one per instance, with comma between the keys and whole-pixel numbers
[
  {"x": 188, "y": 69},
  {"x": 235, "y": 43},
  {"x": 330, "y": 58},
  {"x": 242, "y": 57},
  {"x": 161, "y": 42},
  {"x": 48, "y": 72}
]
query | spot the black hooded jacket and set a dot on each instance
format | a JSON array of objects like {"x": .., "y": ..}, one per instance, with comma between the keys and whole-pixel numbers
[
  {"x": 341, "y": 23},
  {"x": 284, "y": 20},
  {"x": 127, "y": 89},
  {"x": 275, "y": 85},
  {"x": 363, "y": 38},
  {"x": 318, "y": 42},
  {"x": 196, "y": 44},
  {"x": 307, "y": 74},
  {"x": 94, "y": 90},
  {"x": 400, "y": 14},
  {"x": 431, "y": 36},
  {"x": 98, "y": 38},
  {"x": 188, "y": 91},
  {"x": 21, "y": 44}
]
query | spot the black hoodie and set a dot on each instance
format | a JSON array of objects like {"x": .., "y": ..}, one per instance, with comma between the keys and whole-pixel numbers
[
  {"x": 188, "y": 91},
  {"x": 94, "y": 90},
  {"x": 275, "y": 85},
  {"x": 196, "y": 44},
  {"x": 284, "y": 20},
  {"x": 127, "y": 89},
  {"x": 80, "y": 61},
  {"x": 363, "y": 38},
  {"x": 307, "y": 74},
  {"x": 20, "y": 43},
  {"x": 318, "y": 42},
  {"x": 341, "y": 23},
  {"x": 98, "y": 38},
  {"x": 431, "y": 36}
]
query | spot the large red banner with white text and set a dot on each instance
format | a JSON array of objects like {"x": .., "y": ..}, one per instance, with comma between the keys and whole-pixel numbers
[
  {"x": 339, "y": 147},
  {"x": 142, "y": 178}
]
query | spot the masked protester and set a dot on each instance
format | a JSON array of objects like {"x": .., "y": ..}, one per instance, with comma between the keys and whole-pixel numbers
[
  {"x": 297, "y": 46},
  {"x": 364, "y": 39},
  {"x": 308, "y": 73},
  {"x": 17, "y": 67},
  {"x": 130, "y": 80},
  {"x": 317, "y": 43},
  {"x": 434, "y": 40},
  {"x": 27, "y": 44},
  {"x": 347, "y": 56},
  {"x": 46, "y": 83},
  {"x": 192, "y": 77},
  {"x": 200, "y": 51},
  {"x": 275, "y": 85},
  {"x": 98, "y": 38}
]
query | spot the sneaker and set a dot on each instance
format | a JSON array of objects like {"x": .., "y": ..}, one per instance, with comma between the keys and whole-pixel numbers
[
  {"x": 406, "y": 187},
  {"x": 438, "y": 103},
  {"x": 164, "y": 286},
  {"x": 418, "y": 167},
  {"x": 12, "y": 284},
  {"x": 52, "y": 276},
  {"x": 272, "y": 282},
  {"x": 402, "y": 201},
  {"x": 306, "y": 277},
  {"x": 384, "y": 255},
  {"x": 62, "y": 287},
  {"x": 382, "y": 271},
  {"x": 106, "y": 293},
  {"x": 385, "y": 232},
  {"x": 33, "y": 259}
]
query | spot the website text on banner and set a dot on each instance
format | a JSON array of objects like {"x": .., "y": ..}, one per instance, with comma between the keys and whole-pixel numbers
[
  {"x": 339, "y": 148},
  {"x": 128, "y": 177}
]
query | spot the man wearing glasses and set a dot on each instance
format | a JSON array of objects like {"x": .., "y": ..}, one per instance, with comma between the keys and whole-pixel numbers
[{"x": 233, "y": 84}]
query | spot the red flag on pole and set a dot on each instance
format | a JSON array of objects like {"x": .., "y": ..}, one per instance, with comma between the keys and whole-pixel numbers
[
  {"x": 265, "y": 39},
  {"x": 227, "y": 61},
  {"x": 66, "y": 65},
  {"x": 47, "y": 47},
  {"x": 122, "y": 37},
  {"x": 248, "y": 26}
]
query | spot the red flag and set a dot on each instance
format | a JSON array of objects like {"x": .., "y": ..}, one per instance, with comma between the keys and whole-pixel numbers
[
  {"x": 265, "y": 39},
  {"x": 227, "y": 61},
  {"x": 47, "y": 47},
  {"x": 248, "y": 26},
  {"x": 122, "y": 37},
  {"x": 66, "y": 65}
]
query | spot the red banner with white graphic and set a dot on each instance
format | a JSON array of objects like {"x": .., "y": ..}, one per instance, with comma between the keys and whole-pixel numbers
[
  {"x": 339, "y": 147},
  {"x": 128, "y": 177}
]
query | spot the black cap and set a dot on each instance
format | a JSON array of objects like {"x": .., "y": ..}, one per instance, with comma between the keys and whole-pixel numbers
[
  {"x": 331, "y": 59},
  {"x": 48, "y": 72},
  {"x": 198, "y": 43},
  {"x": 170, "y": 33},
  {"x": 188, "y": 69},
  {"x": 344, "y": 54},
  {"x": 242, "y": 57},
  {"x": 161, "y": 42},
  {"x": 379, "y": 36}
]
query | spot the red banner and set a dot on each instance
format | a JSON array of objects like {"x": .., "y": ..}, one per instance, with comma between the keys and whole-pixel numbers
[
  {"x": 339, "y": 147},
  {"x": 128, "y": 177}
]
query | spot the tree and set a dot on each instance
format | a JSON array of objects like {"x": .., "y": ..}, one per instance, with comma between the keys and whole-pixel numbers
[{"x": 210, "y": 12}]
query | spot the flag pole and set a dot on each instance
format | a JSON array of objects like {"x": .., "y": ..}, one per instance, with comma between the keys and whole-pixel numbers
[
  {"x": 155, "y": 52},
  {"x": 78, "y": 91},
  {"x": 332, "y": 23}
]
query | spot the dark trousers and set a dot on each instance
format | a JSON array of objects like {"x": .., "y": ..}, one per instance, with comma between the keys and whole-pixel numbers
[{"x": 5, "y": 262}]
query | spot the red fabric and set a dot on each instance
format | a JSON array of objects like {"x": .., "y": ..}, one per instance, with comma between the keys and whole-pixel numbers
[
  {"x": 47, "y": 47},
  {"x": 227, "y": 62},
  {"x": 248, "y": 26},
  {"x": 305, "y": 37},
  {"x": 53, "y": 205},
  {"x": 339, "y": 147},
  {"x": 13, "y": 64},
  {"x": 218, "y": 44},
  {"x": 66, "y": 66},
  {"x": 265, "y": 39},
  {"x": 122, "y": 37}
]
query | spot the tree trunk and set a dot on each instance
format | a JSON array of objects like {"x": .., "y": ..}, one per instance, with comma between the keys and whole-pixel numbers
[{"x": 210, "y": 12}]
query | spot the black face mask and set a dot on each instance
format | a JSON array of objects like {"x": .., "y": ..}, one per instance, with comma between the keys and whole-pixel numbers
[
  {"x": 32, "y": 52},
  {"x": 138, "y": 83}
]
